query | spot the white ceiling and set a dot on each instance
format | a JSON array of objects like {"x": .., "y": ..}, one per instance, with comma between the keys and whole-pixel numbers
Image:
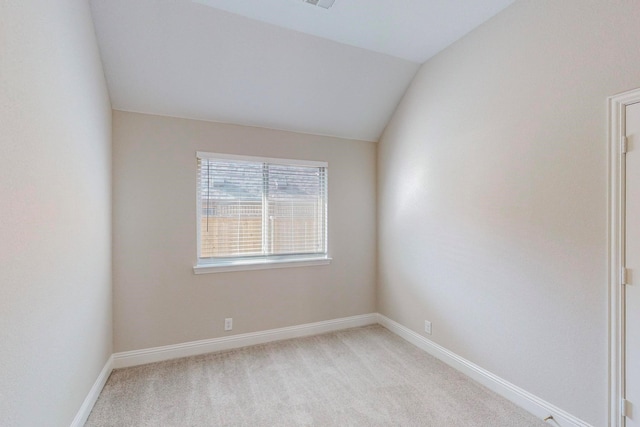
[
  {"x": 414, "y": 30},
  {"x": 341, "y": 73}
]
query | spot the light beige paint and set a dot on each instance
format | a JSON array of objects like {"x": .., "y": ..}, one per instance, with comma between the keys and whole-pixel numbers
[
  {"x": 492, "y": 196},
  {"x": 55, "y": 210},
  {"x": 157, "y": 298}
]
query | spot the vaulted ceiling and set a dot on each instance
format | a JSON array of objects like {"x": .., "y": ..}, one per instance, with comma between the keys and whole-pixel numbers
[{"x": 281, "y": 64}]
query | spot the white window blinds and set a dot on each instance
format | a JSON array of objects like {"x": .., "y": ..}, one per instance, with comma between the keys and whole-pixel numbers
[{"x": 257, "y": 208}]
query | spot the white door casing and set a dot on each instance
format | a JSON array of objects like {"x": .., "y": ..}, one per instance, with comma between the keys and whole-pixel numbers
[
  {"x": 624, "y": 219},
  {"x": 632, "y": 264}
]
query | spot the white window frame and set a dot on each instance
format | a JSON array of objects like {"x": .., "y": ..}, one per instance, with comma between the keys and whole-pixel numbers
[{"x": 257, "y": 263}]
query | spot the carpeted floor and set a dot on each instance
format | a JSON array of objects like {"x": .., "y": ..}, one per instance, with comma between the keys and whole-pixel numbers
[{"x": 356, "y": 377}]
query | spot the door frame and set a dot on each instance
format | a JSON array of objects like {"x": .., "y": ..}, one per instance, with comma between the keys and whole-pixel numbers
[{"x": 617, "y": 123}]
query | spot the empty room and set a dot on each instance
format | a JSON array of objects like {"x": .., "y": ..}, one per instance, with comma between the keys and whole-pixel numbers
[{"x": 319, "y": 213}]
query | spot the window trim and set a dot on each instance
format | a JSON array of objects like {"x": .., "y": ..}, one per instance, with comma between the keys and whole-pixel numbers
[
  {"x": 258, "y": 262},
  {"x": 240, "y": 158},
  {"x": 262, "y": 263}
]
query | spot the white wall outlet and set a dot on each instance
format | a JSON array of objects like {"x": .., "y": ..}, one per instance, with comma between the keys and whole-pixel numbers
[
  {"x": 228, "y": 324},
  {"x": 427, "y": 327}
]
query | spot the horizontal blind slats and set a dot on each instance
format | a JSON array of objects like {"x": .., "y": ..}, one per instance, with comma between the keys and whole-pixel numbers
[{"x": 236, "y": 222}]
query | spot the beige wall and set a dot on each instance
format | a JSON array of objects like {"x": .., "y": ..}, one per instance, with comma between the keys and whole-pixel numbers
[
  {"x": 55, "y": 226},
  {"x": 493, "y": 196},
  {"x": 157, "y": 298}
]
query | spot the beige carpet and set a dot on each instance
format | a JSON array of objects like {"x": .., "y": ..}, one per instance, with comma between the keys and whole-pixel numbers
[{"x": 357, "y": 377}]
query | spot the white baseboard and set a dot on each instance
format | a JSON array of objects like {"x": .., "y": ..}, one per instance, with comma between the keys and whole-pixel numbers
[
  {"x": 533, "y": 404},
  {"x": 538, "y": 407},
  {"x": 193, "y": 348},
  {"x": 90, "y": 400}
]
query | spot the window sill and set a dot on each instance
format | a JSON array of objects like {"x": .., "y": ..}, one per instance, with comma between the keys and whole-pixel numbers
[{"x": 262, "y": 264}]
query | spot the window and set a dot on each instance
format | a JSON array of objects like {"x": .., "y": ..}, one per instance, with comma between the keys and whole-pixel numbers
[{"x": 260, "y": 213}]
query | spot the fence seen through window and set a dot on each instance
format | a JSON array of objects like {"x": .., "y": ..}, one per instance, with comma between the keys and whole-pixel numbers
[{"x": 259, "y": 208}]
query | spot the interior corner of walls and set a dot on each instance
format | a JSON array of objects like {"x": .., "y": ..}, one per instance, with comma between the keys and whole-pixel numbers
[
  {"x": 524, "y": 399},
  {"x": 92, "y": 397},
  {"x": 61, "y": 120}
]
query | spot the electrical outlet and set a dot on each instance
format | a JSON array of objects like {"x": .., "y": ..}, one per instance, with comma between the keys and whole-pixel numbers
[
  {"x": 427, "y": 327},
  {"x": 228, "y": 324}
]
